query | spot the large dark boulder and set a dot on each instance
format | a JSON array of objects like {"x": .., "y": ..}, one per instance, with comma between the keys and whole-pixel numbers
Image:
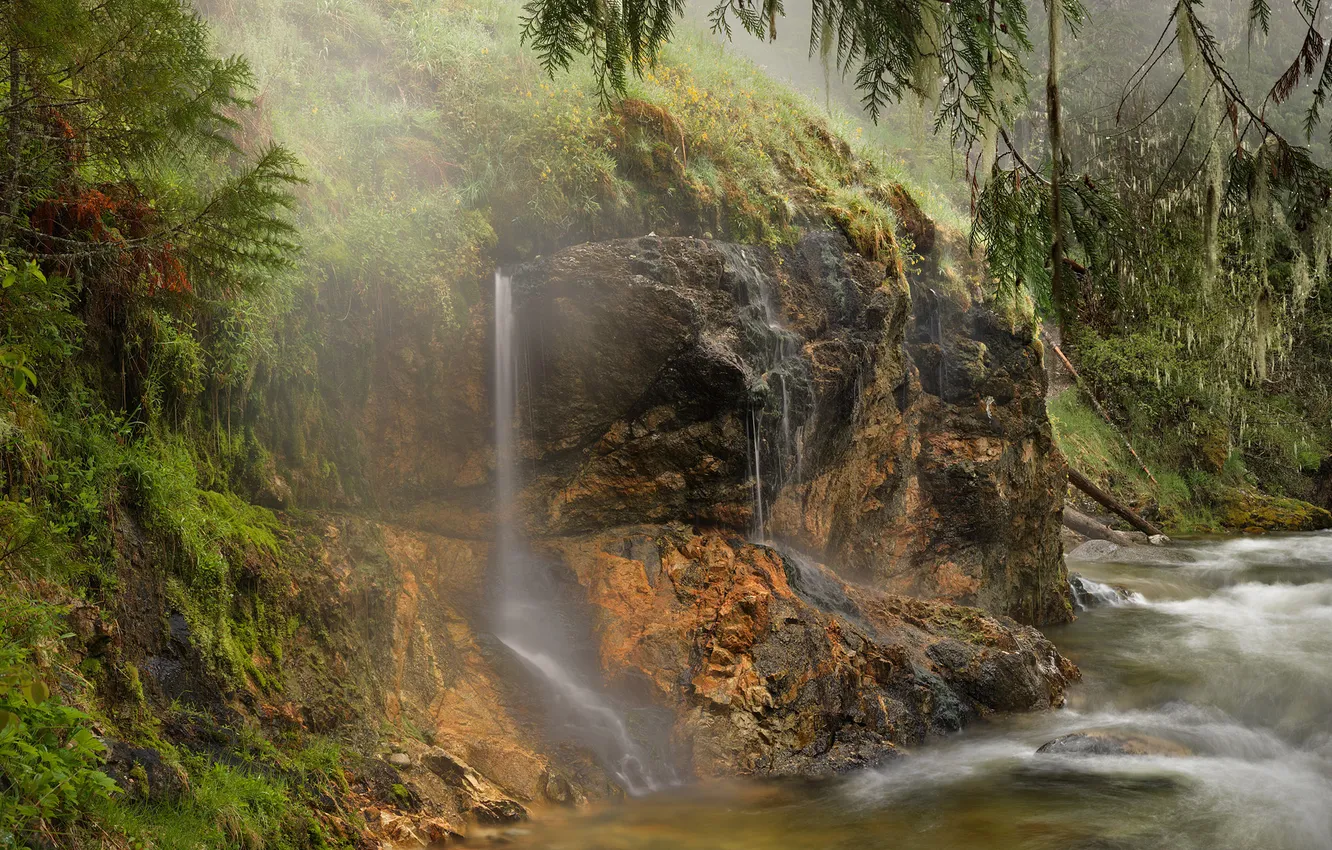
[{"x": 143, "y": 774}]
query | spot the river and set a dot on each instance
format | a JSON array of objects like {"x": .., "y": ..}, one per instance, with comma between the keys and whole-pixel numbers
[{"x": 1224, "y": 651}]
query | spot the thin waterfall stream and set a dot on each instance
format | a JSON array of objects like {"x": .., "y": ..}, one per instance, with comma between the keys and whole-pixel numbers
[
  {"x": 529, "y": 618},
  {"x": 780, "y": 394}
]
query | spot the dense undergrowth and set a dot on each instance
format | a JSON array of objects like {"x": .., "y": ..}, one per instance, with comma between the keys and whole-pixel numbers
[
  {"x": 176, "y": 376},
  {"x": 1181, "y": 495}
]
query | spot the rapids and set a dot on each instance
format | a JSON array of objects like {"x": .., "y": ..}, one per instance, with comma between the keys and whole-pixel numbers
[{"x": 1227, "y": 655}]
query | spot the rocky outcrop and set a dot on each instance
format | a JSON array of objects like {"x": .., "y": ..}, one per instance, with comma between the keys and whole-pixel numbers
[
  {"x": 752, "y": 661},
  {"x": 772, "y": 665},
  {"x": 662, "y": 378},
  {"x": 685, "y": 380},
  {"x": 1111, "y": 743},
  {"x": 678, "y": 399},
  {"x": 906, "y": 446}
]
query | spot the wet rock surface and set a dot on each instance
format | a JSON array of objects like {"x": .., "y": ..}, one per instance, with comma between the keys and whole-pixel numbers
[
  {"x": 1112, "y": 744},
  {"x": 735, "y": 657},
  {"x": 898, "y": 435},
  {"x": 1088, "y": 594},
  {"x": 666, "y": 376},
  {"x": 1103, "y": 551},
  {"x": 766, "y": 680},
  {"x": 672, "y": 393}
]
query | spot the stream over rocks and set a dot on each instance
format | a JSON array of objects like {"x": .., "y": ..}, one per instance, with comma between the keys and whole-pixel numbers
[{"x": 1203, "y": 721}]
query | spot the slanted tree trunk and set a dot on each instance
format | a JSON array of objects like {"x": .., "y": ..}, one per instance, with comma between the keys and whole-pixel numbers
[{"x": 1085, "y": 484}]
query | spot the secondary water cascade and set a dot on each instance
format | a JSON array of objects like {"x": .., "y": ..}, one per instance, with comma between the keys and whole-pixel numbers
[
  {"x": 529, "y": 617},
  {"x": 781, "y": 392},
  {"x": 1210, "y": 660}
]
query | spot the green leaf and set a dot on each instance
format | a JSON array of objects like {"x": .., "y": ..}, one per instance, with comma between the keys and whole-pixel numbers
[
  {"x": 37, "y": 692},
  {"x": 9, "y": 719}
]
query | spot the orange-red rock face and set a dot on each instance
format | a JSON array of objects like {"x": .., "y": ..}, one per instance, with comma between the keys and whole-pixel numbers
[
  {"x": 761, "y": 663},
  {"x": 774, "y": 665}
]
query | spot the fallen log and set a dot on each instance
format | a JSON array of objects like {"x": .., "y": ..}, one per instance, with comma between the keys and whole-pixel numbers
[
  {"x": 1084, "y": 526},
  {"x": 1085, "y": 484}
]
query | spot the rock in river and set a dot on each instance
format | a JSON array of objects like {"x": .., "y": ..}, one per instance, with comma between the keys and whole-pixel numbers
[{"x": 1112, "y": 744}]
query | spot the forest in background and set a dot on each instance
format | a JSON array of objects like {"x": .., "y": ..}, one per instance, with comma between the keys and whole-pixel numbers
[{"x": 1215, "y": 374}]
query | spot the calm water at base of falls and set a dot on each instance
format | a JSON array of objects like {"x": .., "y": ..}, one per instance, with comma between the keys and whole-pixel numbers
[{"x": 1229, "y": 655}]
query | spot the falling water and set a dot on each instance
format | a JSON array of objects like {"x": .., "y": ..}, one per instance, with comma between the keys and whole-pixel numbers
[
  {"x": 776, "y": 356},
  {"x": 530, "y": 619},
  {"x": 1088, "y": 593},
  {"x": 756, "y": 472},
  {"x": 937, "y": 337}
]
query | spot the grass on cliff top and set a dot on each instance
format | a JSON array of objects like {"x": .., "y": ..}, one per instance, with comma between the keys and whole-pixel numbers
[{"x": 436, "y": 146}]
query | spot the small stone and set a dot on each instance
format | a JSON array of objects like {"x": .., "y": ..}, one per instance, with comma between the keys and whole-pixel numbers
[
  {"x": 438, "y": 830},
  {"x": 558, "y": 790},
  {"x": 398, "y": 828},
  {"x": 401, "y": 761}
]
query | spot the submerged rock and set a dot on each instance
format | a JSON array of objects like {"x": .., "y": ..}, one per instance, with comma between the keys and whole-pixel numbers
[
  {"x": 1103, "y": 551},
  {"x": 1112, "y": 744}
]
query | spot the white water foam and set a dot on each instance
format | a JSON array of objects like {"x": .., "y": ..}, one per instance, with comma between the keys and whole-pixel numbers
[
  {"x": 1089, "y": 593},
  {"x": 1239, "y": 553}
]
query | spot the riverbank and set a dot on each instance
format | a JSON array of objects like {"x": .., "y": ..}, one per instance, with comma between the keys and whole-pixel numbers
[{"x": 1182, "y": 500}]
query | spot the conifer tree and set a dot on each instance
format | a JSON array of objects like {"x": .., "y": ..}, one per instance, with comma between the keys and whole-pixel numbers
[
  {"x": 119, "y": 175},
  {"x": 118, "y": 125}
]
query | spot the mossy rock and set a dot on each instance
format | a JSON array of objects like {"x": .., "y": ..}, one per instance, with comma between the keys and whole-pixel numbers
[{"x": 1254, "y": 512}]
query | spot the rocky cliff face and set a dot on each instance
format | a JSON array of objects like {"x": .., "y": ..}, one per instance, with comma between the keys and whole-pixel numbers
[
  {"x": 726, "y": 386},
  {"x": 678, "y": 400},
  {"x": 794, "y": 505},
  {"x": 729, "y": 657}
]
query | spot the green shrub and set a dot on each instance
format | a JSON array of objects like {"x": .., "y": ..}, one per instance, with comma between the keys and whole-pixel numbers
[{"x": 49, "y": 757}]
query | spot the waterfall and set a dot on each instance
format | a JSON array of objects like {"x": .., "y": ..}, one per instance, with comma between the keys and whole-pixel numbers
[
  {"x": 756, "y": 444},
  {"x": 530, "y": 619},
  {"x": 937, "y": 337}
]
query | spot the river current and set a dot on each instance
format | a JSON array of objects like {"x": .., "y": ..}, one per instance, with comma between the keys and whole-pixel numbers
[{"x": 1222, "y": 651}]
